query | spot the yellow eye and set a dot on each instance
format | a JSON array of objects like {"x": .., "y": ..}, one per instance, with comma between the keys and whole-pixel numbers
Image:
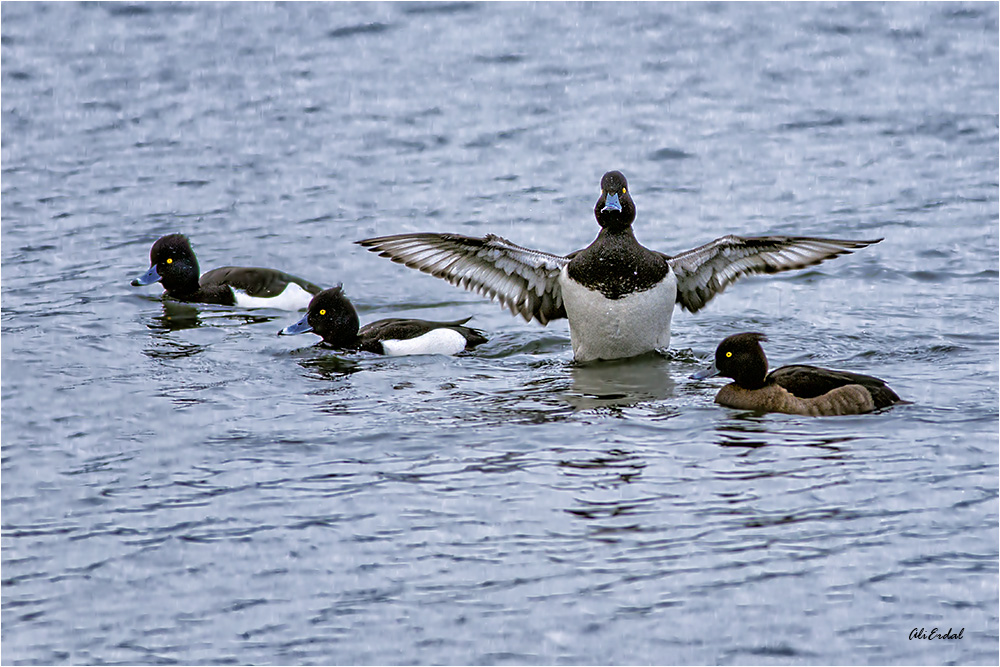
[
  {"x": 170, "y": 260},
  {"x": 728, "y": 354},
  {"x": 322, "y": 312},
  {"x": 624, "y": 190}
]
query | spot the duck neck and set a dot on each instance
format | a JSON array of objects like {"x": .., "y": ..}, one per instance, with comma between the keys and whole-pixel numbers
[
  {"x": 183, "y": 287},
  {"x": 752, "y": 374},
  {"x": 617, "y": 231},
  {"x": 180, "y": 276},
  {"x": 343, "y": 332}
]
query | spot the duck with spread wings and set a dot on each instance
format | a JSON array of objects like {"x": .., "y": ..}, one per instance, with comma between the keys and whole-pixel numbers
[{"x": 617, "y": 294}]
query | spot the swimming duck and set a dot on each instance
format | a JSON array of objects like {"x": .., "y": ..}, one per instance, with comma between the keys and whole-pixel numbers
[
  {"x": 332, "y": 316},
  {"x": 172, "y": 263},
  {"x": 797, "y": 390},
  {"x": 617, "y": 295}
]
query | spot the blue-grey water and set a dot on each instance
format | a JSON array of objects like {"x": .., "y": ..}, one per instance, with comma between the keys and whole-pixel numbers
[{"x": 180, "y": 485}]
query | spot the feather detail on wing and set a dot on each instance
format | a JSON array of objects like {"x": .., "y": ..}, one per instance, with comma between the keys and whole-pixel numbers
[
  {"x": 523, "y": 280},
  {"x": 709, "y": 269}
]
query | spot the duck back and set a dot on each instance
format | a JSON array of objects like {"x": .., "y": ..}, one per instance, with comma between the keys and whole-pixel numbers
[
  {"x": 810, "y": 382},
  {"x": 256, "y": 282},
  {"x": 398, "y": 336}
]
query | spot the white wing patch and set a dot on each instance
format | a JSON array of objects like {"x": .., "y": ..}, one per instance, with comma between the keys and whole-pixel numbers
[
  {"x": 293, "y": 297},
  {"x": 435, "y": 341}
]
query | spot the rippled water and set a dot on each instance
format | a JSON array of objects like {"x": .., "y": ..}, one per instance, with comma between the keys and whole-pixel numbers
[{"x": 182, "y": 486}]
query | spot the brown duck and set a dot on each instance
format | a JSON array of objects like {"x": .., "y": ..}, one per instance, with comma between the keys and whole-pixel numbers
[{"x": 797, "y": 390}]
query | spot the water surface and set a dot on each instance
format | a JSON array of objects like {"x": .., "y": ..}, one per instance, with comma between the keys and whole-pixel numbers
[{"x": 182, "y": 486}]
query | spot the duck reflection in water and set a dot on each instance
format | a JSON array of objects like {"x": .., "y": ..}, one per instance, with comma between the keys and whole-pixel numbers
[
  {"x": 178, "y": 316},
  {"x": 621, "y": 383},
  {"x": 326, "y": 366}
]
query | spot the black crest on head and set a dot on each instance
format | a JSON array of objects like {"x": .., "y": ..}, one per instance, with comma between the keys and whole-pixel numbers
[{"x": 332, "y": 316}]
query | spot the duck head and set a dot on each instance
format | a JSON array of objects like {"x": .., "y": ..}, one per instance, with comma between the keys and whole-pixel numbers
[
  {"x": 741, "y": 358},
  {"x": 615, "y": 209},
  {"x": 332, "y": 316},
  {"x": 172, "y": 263}
]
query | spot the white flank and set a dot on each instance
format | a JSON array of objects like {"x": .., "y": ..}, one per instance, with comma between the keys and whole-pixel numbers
[
  {"x": 602, "y": 328},
  {"x": 292, "y": 297},
  {"x": 436, "y": 341}
]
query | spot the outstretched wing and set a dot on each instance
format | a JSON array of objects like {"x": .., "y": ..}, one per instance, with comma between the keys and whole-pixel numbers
[
  {"x": 525, "y": 281},
  {"x": 708, "y": 270}
]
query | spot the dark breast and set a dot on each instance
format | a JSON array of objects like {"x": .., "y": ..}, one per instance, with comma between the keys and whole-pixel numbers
[
  {"x": 616, "y": 265},
  {"x": 218, "y": 294}
]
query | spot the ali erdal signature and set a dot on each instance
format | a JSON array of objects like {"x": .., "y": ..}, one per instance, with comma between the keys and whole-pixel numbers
[{"x": 920, "y": 633}]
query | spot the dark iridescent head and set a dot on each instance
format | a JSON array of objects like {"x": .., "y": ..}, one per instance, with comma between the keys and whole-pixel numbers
[
  {"x": 332, "y": 316},
  {"x": 615, "y": 209},
  {"x": 742, "y": 358},
  {"x": 172, "y": 263}
]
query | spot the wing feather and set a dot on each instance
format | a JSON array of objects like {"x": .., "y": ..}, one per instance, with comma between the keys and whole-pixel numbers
[
  {"x": 709, "y": 269},
  {"x": 523, "y": 280}
]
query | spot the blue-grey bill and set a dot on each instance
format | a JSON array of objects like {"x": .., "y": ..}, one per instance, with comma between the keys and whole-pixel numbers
[
  {"x": 302, "y": 326},
  {"x": 147, "y": 278},
  {"x": 612, "y": 203},
  {"x": 709, "y": 372}
]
